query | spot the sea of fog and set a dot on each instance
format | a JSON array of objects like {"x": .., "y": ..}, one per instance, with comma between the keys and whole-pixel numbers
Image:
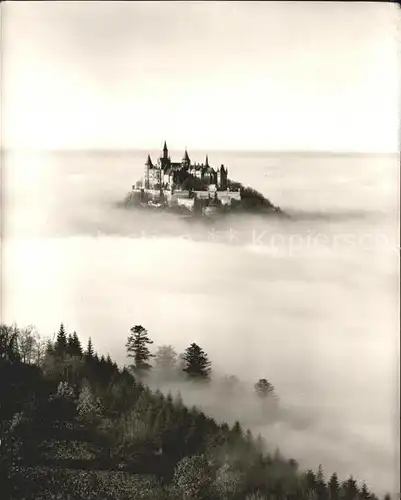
[{"x": 310, "y": 303}]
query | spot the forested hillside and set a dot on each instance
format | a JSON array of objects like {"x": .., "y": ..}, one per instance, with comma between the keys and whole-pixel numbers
[{"x": 74, "y": 425}]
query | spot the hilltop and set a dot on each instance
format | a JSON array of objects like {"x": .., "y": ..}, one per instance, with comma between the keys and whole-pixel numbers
[{"x": 195, "y": 189}]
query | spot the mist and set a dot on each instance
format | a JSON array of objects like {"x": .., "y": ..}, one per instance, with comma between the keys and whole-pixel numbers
[{"x": 310, "y": 303}]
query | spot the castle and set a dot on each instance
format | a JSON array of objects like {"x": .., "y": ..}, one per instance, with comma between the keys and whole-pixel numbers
[
  {"x": 195, "y": 186},
  {"x": 168, "y": 175}
]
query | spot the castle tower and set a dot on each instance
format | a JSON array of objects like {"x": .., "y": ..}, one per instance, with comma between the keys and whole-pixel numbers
[
  {"x": 186, "y": 162},
  {"x": 164, "y": 161},
  {"x": 149, "y": 162},
  {"x": 223, "y": 177},
  {"x": 165, "y": 151},
  {"x": 146, "y": 177}
]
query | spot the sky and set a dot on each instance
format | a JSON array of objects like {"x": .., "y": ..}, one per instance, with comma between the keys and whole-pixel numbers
[{"x": 206, "y": 75}]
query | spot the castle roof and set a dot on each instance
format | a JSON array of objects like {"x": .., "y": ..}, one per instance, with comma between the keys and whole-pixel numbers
[
  {"x": 149, "y": 162},
  {"x": 186, "y": 157}
]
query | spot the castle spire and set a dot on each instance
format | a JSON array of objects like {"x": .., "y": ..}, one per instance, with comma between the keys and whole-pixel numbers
[
  {"x": 165, "y": 150},
  {"x": 207, "y": 161},
  {"x": 149, "y": 162}
]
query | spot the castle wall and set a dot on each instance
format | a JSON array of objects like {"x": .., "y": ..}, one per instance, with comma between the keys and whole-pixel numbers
[
  {"x": 178, "y": 195},
  {"x": 203, "y": 195},
  {"x": 227, "y": 196},
  {"x": 210, "y": 210},
  {"x": 186, "y": 202}
]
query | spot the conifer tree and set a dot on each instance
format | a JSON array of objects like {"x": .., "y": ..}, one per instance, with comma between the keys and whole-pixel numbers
[
  {"x": 236, "y": 430},
  {"x": 61, "y": 343},
  {"x": 74, "y": 345},
  {"x": 333, "y": 487},
  {"x": 320, "y": 484},
  {"x": 137, "y": 349},
  {"x": 90, "y": 353},
  {"x": 263, "y": 388},
  {"x": 310, "y": 480},
  {"x": 350, "y": 489},
  {"x": 197, "y": 365}
]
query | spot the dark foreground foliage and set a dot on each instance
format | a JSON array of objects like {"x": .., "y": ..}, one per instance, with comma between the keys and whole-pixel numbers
[{"x": 75, "y": 426}]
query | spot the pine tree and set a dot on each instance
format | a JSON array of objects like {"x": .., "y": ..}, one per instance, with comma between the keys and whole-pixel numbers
[
  {"x": 137, "y": 349},
  {"x": 236, "y": 430},
  {"x": 263, "y": 388},
  {"x": 333, "y": 487},
  {"x": 310, "y": 480},
  {"x": 320, "y": 484},
  {"x": 90, "y": 353},
  {"x": 61, "y": 343},
  {"x": 197, "y": 365},
  {"x": 74, "y": 345},
  {"x": 350, "y": 489}
]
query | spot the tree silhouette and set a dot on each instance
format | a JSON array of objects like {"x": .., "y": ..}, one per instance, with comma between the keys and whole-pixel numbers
[
  {"x": 350, "y": 489},
  {"x": 263, "y": 388},
  {"x": 197, "y": 365},
  {"x": 137, "y": 349},
  {"x": 74, "y": 347},
  {"x": 333, "y": 487},
  {"x": 310, "y": 479},
  {"x": 89, "y": 353},
  {"x": 320, "y": 484},
  {"x": 60, "y": 346},
  {"x": 26, "y": 344},
  {"x": 9, "y": 344}
]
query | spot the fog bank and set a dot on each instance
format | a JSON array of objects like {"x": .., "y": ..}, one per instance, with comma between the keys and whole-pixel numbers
[{"x": 310, "y": 304}]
